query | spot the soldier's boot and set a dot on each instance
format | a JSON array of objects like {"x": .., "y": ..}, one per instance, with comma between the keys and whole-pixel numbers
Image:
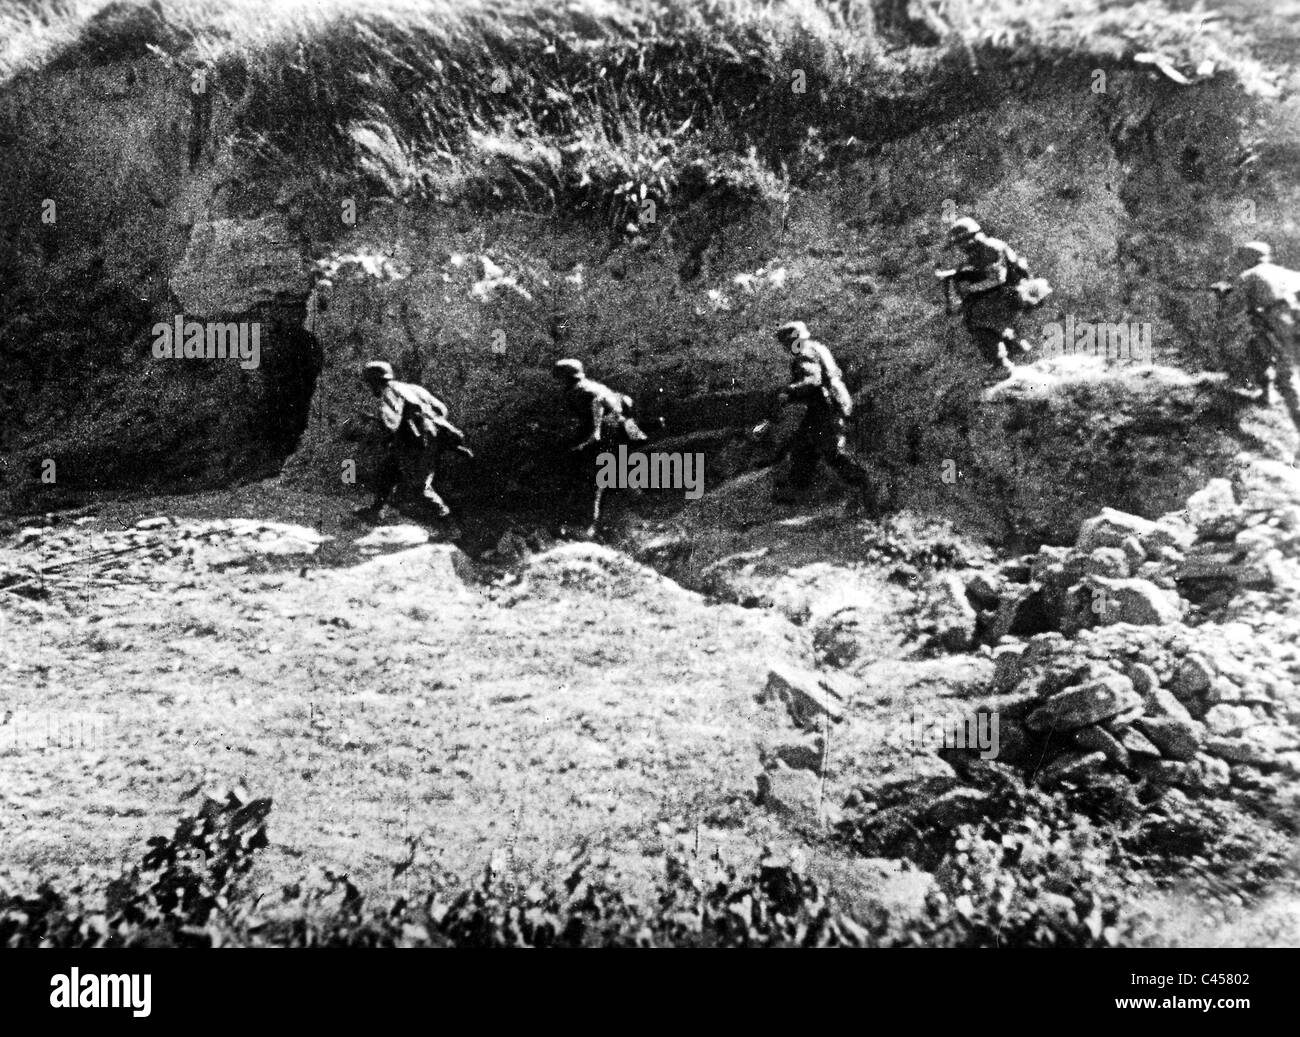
[{"x": 1015, "y": 347}]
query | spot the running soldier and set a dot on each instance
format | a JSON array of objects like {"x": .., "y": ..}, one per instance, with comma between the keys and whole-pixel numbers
[
  {"x": 604, "y": 423},
  {"x": 989, "y": 284},
  {"x": 1270, "y": 296},
  {"x": 415, "y": 429},
  {"x": 815, "y": 381}
]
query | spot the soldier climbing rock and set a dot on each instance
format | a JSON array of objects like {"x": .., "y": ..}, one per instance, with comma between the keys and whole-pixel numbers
[
  {"x": 815, "y": 381},
  {"x": 415, "y": 431},
  {"x": 1269, "y": 295},
  {"x": 604, "y": 423},
  {"x": 994, "y": 286}
]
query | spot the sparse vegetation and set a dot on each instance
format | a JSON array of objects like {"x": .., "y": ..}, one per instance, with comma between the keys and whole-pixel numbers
[{"x": 678, "y": 134}]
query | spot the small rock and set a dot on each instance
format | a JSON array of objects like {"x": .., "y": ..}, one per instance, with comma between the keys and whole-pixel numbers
[
  {"x": 1048, "y": 557},
  {"x": 1098, "y": 739},
  {"x": 1136, "y": 742},
  {"x": 1023, "y": 612},
  {"x": 1224, "y": 719},
  {"x": 1214, "y": 773},
  {"x": 805, "y": 754},
  {"x": 1134, "y": 552},
  {"x": 807, "y": 697},
  {"x": 949, "y": 614},
  {"x": 984, "y": 589},
  {"x": 1193, "y": 678},
  {"x": 1014, "y": 571},
  {"x": 958, "y": 806},
  {"x": 1238, "y": 750},
  {"x": 1071, "y": 765},
  {"x": 1014, "y": 706},
  {"x": 1108, "y": 561},
  {"x": 1222, "y": 690},
  {"x": 1110, "y": 529},
  {"x": 1168, "y": 531},
  {"x": 1042, "y": 647},
  {"x": 1144, "y": 678},
  {"x": 1213, "y": 508},
  {"x": 1176, "y": 739},
  {"x": 1086, "y": 704},
  {"x": 1162, "y": 703},
  {"x": 1008, "y": 665},
  {"x": 789, "y": 791}
]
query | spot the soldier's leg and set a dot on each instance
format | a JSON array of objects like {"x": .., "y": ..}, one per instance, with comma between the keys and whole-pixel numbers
[
  {"x": 432, "y": 499},
  {"x": 585, "y": 494},
  {"x": 1260, "y": 357},
  {"x": 803, "y": 456},
  {"x": 1288, "y": 372},
  {"x": 842, "y": 461},
  {"x": 388, "y": 473}
]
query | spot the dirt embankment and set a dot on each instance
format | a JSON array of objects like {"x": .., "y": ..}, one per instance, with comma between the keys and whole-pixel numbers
[{"x": 1122, "y": 198}]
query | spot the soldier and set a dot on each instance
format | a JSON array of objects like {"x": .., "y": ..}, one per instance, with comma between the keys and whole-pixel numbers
[
  {"x": 415, "y": 427},
  {"x": 815, "y": 380},
  {"x": 987, "y": 285},
  {"x": 604, "y": 422},
  {"x": 1270, "y": 296}
]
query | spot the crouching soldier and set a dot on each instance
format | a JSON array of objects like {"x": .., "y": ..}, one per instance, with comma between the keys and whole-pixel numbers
[
  {"x": 604, "y": 423},
  {"x": 994, "y": 286},
  {"x": 816, "y": 382},
  {"x": 415, "y": 430},
  {"x": 1270, "y": 296}
]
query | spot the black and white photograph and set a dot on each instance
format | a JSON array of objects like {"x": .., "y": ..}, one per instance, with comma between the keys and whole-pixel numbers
[{"x": 666, "y": 474}]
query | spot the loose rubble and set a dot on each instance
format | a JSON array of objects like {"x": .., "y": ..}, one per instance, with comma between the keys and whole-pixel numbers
[
  {"x": 41, "y": 560},
  {"x": 1164, "y": 651}
]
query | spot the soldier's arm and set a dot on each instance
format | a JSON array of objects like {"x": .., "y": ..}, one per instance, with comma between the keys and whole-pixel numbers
[
  {"x": 593, "y": 424},
  {"x": 806, "y": 378}
]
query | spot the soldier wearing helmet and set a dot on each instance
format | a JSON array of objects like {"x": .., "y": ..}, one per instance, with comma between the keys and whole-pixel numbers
[
  {"x": 604, "y": 423},
  {"x": 815, "y": 381},
  {"x": 414, "y": 427},
  {"x": 987, "y": 283},
  {"x": 1269, "y": 295}
]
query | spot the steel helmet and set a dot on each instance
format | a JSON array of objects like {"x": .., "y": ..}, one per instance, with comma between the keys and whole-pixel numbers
[
  {"x": 1256, "y": 251},
  {"x": 568, "y": 368},
  {"x": 795, "y": 330},
  {"x": 962, "y": 230}
]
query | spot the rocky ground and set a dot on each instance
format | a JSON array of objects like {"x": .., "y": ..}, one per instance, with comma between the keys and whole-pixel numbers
[{"x": 409, "y": 706}]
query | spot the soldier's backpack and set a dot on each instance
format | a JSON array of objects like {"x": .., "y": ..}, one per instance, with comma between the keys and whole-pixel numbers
[
  {"x": 836, "y": 392},
  {"x": 1029, "y": 291}
]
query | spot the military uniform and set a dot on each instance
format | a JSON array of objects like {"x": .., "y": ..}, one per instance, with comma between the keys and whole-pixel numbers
[
  {"x": 815, "y": 380},
  {"x": 605, "y": 423},
  {"x": 412, "y": 418},
  {"x": 990, "y": 305},
  {"x": 1270, "y": 295}
]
